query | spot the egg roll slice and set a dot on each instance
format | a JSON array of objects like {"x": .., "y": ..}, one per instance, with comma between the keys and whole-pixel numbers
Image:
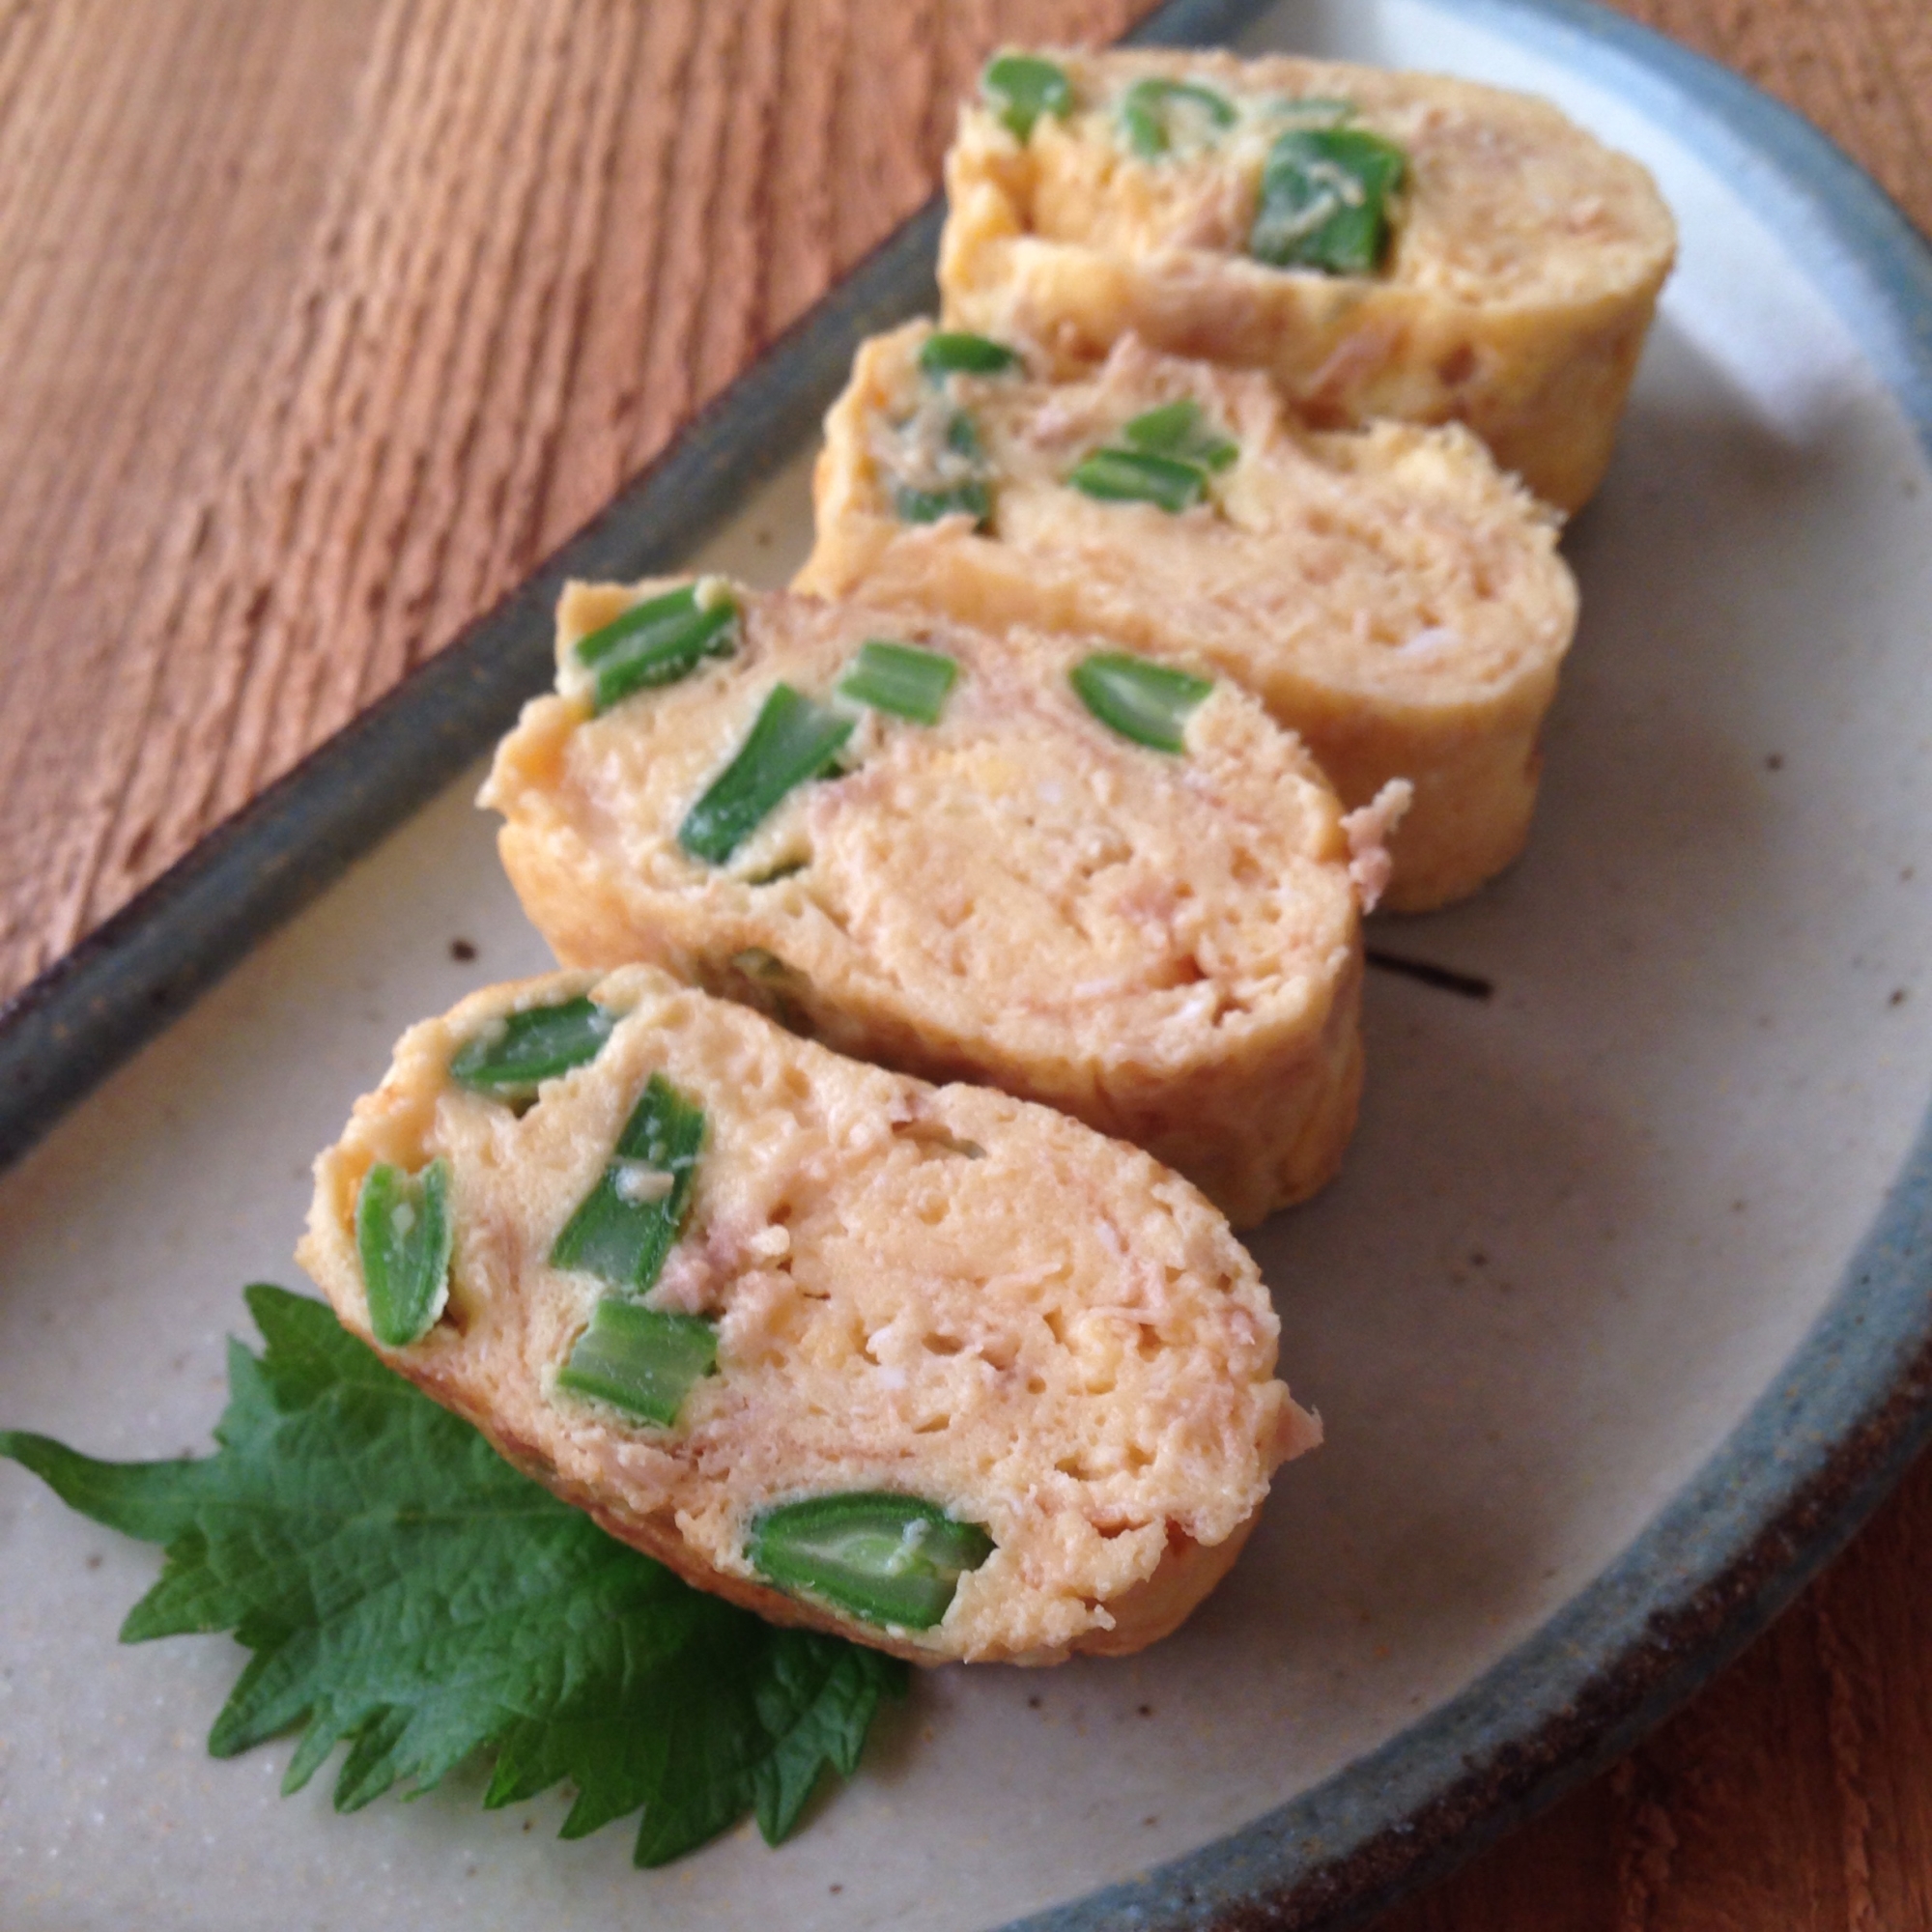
[
  {"x": 1380, "y": 244},
  {"x": 1111, "y": 887},
  {"x": 933, "y": 1369},
  {"x": 1387, "y": 593}
]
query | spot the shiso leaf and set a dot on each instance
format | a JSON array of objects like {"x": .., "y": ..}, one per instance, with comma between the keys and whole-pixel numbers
[{"x": 409, "y": 1595}]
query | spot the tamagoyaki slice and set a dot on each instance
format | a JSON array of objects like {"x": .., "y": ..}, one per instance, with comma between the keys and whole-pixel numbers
[
  {"x": 933, "y": 1369},
  {"x": 1380, "y": 244},
  {"x": 1112, "y": 887},
  {"x": 1387, "y": 593}
]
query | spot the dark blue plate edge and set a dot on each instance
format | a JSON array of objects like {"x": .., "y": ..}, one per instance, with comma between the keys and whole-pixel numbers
[
  {"x": 1840, "y": 1423},
  {"x": 71, "y": 1026},
  {"x": 1785, "y": 1491}
]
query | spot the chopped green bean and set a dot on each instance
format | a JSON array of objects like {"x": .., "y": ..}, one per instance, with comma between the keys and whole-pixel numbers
[
  {"x": 1140, "y": 476},
  {"x": 403, "y": 1234},
  {"x": 638, "y": 1360},
  {"x": 628, "y": 1222},
  {"x": 887, "y": 1560},
  {"x": 962, "y": 438},
  {"x": 1149, "y": 703},
  {"x": 970, "y": 498},
  {"x": 791, "y": 741},
  {"x": 1154, "y": 111},
  {"x": 1183, "y": 431},
  {"x": 659, "y": 642},
  {"x": 512, "y": 1056},
  {"x": 951, "y": 351},
  {"x": 1020, "y": 88},
  {"x": 900, "y": 678},
  {"x": 1324, "y": 200}
]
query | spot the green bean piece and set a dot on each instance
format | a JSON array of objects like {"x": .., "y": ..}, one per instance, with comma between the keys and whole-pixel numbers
[
  {"x": 1020, "y": 88},
  {"x": 970, "y": 498},
  {"x": 404, "y": 1237},
  {"x": 513, "y": 1056},
  {"x": 1140, "y": 476},
  {"x": 900, "y": 678},
  {"x": 1149, "y": 703},
  {"x": 658, "y": 641},
  {"x": 951, "y": 351},
  {"x": 1324, "y": 200},
  {"x": 638, "y": 1360},
  {"x": 1154, "y": 110},
  {"x": 628, "y": 1223},
  {"x": 962, "y": 438},
  {"x": 791, "y": 741},
  {"x": 883, "y": 1558},
  {"x": 1183, "y": 431}
]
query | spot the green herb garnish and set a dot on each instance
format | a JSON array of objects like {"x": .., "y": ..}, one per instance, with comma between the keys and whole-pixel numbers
[
  {"x": 1181, "y": 431},
  {"x": 511, "y": 1058},
  {"x": 404, "y": 1237},
  {"x": 1020, "y": 88},
  {"x": 1140, "y": 476},
  {"x": 631, "y": 1219},
  {"x": 970, "y": 499},
  {"x": 951, "y": 351},
  {"x": 885, "y": 1559},
  {"x": 638, "y": 1360},
  {"x": 900, "y": 678},
  {"x": 791, "y": 741},
  {"x": 1154, "y": 111},
  {"x": 1324, "y": 200},
  {"x": 1149, "y": 703},
  {"x": 409, "y": 1594},
  {"x": 659, "y": 642}
]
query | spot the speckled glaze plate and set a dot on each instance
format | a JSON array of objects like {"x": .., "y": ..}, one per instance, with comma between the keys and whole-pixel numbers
[{"x": 1618, "y": 1318}]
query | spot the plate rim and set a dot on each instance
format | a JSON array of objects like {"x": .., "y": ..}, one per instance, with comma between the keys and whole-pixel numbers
[{"x": 1782, "y": 1493}]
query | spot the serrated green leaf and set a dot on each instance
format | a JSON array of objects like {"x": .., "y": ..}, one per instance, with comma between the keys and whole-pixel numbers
[
  {"x": 409, "y": 1595},
  {"x": 153, "y": 1501}
]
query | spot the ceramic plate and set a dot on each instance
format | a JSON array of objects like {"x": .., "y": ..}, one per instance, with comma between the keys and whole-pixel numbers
[{"x": 1617, "y": 1319}]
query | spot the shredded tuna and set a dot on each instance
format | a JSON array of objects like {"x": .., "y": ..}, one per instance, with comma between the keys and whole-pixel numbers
[{"x": 1369, "y": 828}]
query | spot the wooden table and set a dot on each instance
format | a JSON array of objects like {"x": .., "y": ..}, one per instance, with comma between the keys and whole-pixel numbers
[{"x": 321, "y": 321}]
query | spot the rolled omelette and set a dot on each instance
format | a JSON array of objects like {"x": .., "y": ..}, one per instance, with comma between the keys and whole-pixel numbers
[
  {"x": 1383, "y": 244},
  {"x": 1387, "y": 593},
  {"x": 933, "y": 1369},
  {"x": 1024, "y": 859}
]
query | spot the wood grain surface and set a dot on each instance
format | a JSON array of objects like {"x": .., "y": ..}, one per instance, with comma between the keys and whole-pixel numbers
[{"x": 323, "y": 321}]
